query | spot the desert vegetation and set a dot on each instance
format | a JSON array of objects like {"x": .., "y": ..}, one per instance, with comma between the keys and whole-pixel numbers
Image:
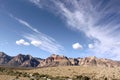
[
  {"x": 61, "y": 73},
  {"x": 81, "y": 72},
  {"x": 15, "y": 74}
]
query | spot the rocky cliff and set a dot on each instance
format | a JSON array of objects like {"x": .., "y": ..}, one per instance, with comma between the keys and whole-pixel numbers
[{"x": 55, "y": 60}]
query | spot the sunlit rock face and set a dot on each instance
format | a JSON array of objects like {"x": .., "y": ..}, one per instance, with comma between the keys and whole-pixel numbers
[
  {"x": 23, "y": 61},
  {"x": 100, "y": 62},
  {"x": 55, "y": 60}
]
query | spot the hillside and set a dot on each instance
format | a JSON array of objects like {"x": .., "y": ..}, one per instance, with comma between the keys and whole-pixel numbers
[
  {"x": 57, "y": 67},
  {"x": 22, "y": 60}
]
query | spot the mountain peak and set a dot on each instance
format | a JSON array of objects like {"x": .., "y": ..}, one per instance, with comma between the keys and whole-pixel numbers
[
  {"x": 2, "y": 54},
  {"x": 29, "y": 56},
  {"x": 53, "y": 55},
  {"x": 55, "y": 60},
  {"x": 4, "y": 58},
  {"x": 20, "y": 54}
]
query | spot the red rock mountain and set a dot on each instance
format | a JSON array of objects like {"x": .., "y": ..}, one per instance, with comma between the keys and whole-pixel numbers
[
  {"x": 93, "y": 61},
  {"x": 54, "y": 60},
  {"x": 24, "y": 61}
]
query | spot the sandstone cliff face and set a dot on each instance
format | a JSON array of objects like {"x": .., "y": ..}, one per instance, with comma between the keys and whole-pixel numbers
[
  {"x": 24, "y": 61},
  {"x": 93, "y": 61},
  {"x": 17, "y": 60},
  {"x": 55, "y": 60},
  {"x": 88, "y": 61},
  {"x": 30, "y": 62}
]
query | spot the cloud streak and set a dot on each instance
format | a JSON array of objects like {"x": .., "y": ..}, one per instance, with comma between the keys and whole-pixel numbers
[
  {"x": 45, "y": 43},
  {"x": 40, "y": 40},
  {"x": 25, "y": 23},
  {"x": 97, "y": 19}
]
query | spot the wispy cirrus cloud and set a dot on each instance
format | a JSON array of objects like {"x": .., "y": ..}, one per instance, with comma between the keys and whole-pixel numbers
[
  {"x": 38, "y": 39},
  {"x": 45, "y": 43},
  {"x": 98, "y": 19},
  {"x": 25, "y": 23},
  {"x": 36, "y": 2}
]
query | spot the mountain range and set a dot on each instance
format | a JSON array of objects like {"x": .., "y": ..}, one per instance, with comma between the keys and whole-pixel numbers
[{"x": 22, "y": 60}]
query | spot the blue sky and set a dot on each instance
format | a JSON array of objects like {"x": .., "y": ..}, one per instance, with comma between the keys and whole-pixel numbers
[{"x": 76, "y": 28}]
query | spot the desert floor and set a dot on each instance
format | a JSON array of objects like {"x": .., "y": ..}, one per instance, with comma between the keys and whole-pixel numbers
[{"x": 71, "y": 71}]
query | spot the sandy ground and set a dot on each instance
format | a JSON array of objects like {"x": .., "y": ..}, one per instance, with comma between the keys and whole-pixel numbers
[
  {"x": 7, "y": 77},
  {"x": 70, "y": 71}
]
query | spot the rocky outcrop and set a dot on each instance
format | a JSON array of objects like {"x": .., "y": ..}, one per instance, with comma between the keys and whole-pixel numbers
[
  {"x": 93, "y": 61},
  {"x": 24, "y": 61},
  {"x": 88, "y": 61},
  {"x": 55, "y": 60},
  {"x": 74, "y": 61}
]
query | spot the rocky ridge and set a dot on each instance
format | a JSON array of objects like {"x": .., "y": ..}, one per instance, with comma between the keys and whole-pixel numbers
[{"x": 54, "y": 60}]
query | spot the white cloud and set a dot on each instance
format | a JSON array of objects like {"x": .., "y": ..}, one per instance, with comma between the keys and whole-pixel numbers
[
  {"x": 36, "y": 43},
  {"x": 40, "y": 40},
  {"x": 77, "y": 46},
  {"x": 91, "y": 46},
  {"x": 98, "y": 21},
  {"x": 22, "y": 42},
  {"x": 44, "y": 42}
]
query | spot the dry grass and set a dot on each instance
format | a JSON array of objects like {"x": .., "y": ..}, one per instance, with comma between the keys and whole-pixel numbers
[
  {"x": 8, "y": 77},
  {"x": 70, "y": 71},
  {"x": 94, "y": 73}
]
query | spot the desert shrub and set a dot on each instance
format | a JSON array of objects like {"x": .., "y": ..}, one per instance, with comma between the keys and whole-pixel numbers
[
  {"x": 2, "y": 69},
  {"x": 17, "y": 77},
  {"x": 36, "y": 74},
  {"x": 80, "y": 77},
  {"x": 85, "y": 78},
  {"x": 31, "y": 79},
  {"x": 50, "y": 77},
  {"x": 24, "y": 74},
  {"x": 10, "y": 72},
  {"x": 19, "y": 73},
  {"x": 105, "y": 79},
  {"x": 44, "y": 75},
  {"x": 59, "y": 78}
]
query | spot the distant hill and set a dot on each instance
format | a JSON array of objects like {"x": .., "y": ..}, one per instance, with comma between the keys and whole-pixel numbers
[{"x": 22, "y": 60}]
